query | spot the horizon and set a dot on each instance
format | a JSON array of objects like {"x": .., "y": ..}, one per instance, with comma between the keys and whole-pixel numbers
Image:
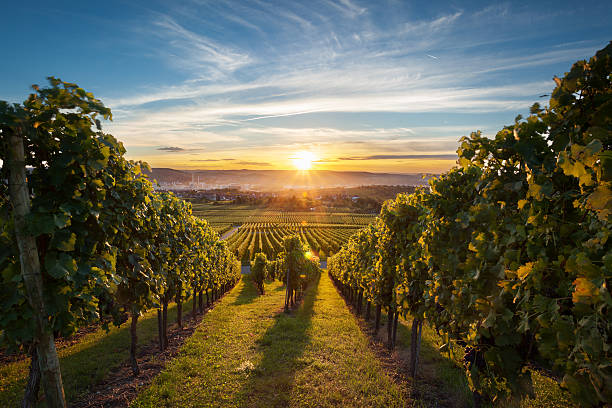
[
  {"x": 341, "y": 85},
  {"x": 295, "y": 171},
  {"x": 278, "y": 179}
]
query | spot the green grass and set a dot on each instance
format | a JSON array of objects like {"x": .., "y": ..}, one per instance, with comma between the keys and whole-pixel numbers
[
  {"x": 85, "y": 363},
  {"x": 441, "y": 380},
  {"x": 247, "y": 353}
]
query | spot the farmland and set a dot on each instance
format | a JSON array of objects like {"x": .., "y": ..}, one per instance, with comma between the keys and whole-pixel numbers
[{"x": 262, "y": 230}]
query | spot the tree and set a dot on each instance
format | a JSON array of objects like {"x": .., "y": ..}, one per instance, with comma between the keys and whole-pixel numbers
[
  {"x": 67, "y": 157},
  {"x": 259, "y": 271}
]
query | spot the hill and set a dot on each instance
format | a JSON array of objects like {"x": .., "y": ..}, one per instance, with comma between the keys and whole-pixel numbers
[{"x": 281, "y": 179}]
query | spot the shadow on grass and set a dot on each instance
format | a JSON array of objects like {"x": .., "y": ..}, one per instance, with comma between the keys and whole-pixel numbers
[
  {"x": 440, "y": 382},
  {"x": 248, "y": 292},
  {"x": 271, "y": 382},
  {"x": 95, "y": 359},
  {"x": 86, "y": 363}
]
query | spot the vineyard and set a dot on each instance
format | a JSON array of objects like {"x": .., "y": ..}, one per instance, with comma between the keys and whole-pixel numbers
[
  {"x": 263, "y": 230},
  {"x": 508, "y": 256},
  {"x": 86, "y": 240},
  {"x": 236, "y": 215},
  {"x": 251, "y": 238}
]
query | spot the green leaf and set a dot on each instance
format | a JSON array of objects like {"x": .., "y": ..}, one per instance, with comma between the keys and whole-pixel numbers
[
  {"x": 64, "y": 240},
  {"x": 60, "y": 265},
  {"x": 606, "y": 166},
  {"x": 39, "y": 224},
  {"x": 61, "y": 220}
]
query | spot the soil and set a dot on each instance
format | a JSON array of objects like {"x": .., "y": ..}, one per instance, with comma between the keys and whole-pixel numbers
[{"x": 120, "y": 387}]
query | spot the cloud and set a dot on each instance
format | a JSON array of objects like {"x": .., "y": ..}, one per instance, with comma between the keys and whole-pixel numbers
[
  {"x": 493, "y": 11},
  {"x": 429, "y": 27},
  {"x": 253, "y": 163},
  {"x": 347, "y": 8},
  {"x": 171, "y": 149},
  {"x": 210, "y": 160},
  {"x": 197, "y": 51},
  {"x": 402, "y": 157},
  {"x": 301, "y": 63}
]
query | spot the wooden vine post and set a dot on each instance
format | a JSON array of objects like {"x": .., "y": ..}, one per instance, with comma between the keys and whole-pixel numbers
[
  {"x": 415, "y": 346},
  {"x": 30, "y": 270},
  {"x": 288, "y": 291}
]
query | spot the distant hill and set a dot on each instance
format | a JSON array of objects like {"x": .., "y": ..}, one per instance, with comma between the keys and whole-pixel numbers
[{"x": 283, "y": 179}]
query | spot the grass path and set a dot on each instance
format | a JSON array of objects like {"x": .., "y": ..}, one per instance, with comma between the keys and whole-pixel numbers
[
  {"x": 229, "y": 233},
  {"x": 247, "y": 353}
]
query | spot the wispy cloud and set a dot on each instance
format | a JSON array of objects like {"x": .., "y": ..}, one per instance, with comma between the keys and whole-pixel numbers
[
  {"x": 197, "y": 51},
  {"x": 253, "y": 163},
  {"x": 494, "y": 10},
  {"x": 402, "y": 157},
  {"x": 425, "y": 28},
  {"x": 193, "y": 122},
  {"x": 171, "y": 149},
  {"x": 347, "y": 8},
  {"x": 302, "y": 63}
]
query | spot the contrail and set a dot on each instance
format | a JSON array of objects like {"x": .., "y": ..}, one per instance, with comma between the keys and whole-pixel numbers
[{"x": 432, "y": 56}]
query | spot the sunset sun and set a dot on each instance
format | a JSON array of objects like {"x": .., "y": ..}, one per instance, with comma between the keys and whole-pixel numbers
[{"x": 303, "y": 160}]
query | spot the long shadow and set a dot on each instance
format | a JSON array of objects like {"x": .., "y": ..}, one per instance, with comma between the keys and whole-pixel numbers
[
  {"x": 89, "y": 361},
  {"x": 248, "y": 292},
  {"x": 93, "y": 362},
  {"x": 440, "y": 382},
  {"x": 283, "y": 344}
]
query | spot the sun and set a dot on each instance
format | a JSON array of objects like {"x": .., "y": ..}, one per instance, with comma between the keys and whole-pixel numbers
[{"x": 303, "y": 160}]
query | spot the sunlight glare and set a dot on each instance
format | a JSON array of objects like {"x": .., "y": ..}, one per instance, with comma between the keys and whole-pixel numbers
[{"x": 303, "y": 160}]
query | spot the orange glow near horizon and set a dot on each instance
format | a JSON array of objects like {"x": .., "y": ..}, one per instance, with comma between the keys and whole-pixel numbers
[{"x": 303, "y": 160}]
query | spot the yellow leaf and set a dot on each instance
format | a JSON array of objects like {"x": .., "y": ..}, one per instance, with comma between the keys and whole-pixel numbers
[
  {"x": 524, "y": 270},
  {"x": 586, "y": 291}
]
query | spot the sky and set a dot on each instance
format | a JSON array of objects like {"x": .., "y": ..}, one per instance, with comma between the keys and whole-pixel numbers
[{"x": 382, "y": 86}]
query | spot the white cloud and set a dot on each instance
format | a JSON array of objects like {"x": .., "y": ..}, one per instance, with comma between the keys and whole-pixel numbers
[
  {"x": 331, "y": 58},
  {"x": 198, "y": 51}
]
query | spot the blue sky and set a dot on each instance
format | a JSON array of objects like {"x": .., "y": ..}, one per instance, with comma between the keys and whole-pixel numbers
[{"x": 382, "y": 86}]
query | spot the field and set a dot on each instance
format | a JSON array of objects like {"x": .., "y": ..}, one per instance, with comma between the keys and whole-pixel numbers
[{"x": 249, "y": 230}]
